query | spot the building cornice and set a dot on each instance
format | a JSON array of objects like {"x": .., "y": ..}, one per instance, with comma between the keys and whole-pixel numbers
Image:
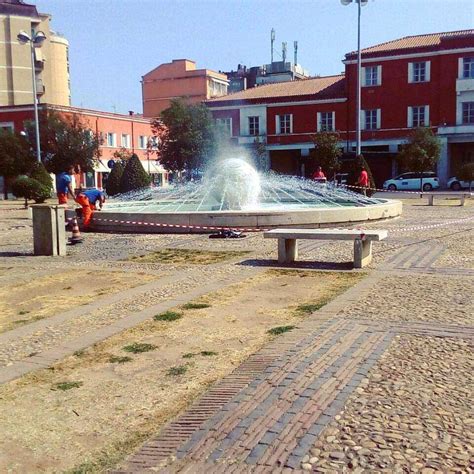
[
  {"x": 278, "y": 104},
  {"x": 410, "y": 55}
]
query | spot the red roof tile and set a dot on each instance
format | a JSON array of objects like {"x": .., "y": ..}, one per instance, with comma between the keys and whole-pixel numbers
[
  {"x": 431, "y": 41},
  {"x": 320, "y": 88}
]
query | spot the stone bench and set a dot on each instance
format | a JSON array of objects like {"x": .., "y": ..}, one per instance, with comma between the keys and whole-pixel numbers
[
  {"x": 462, "y": 195},
  {"x": 288, "y": 249}
]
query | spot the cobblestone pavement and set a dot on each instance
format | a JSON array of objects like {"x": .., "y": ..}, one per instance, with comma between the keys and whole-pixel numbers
[
  {"x": 379, "y": 381},
  {"x": 383, "y": 384}
]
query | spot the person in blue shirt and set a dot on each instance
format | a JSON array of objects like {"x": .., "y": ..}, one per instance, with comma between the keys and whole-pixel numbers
[
  {"x": 64, "y": 185},
  {"x": 88, "y": 200}
]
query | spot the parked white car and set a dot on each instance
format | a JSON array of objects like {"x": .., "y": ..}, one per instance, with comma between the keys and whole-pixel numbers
[
  {"x": 411, "y": 181},
  {"x": 456, "y": 184}
]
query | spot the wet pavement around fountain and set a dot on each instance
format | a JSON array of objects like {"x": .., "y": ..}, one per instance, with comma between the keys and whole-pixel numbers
[{"x": 378, "y": 380}]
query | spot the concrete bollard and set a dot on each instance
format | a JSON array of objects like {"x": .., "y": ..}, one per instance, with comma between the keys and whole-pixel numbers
[{"x": 49, "y": 233}]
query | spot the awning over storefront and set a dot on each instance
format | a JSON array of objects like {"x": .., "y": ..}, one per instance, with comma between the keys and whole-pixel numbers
[{"x": 150, "y": 166}]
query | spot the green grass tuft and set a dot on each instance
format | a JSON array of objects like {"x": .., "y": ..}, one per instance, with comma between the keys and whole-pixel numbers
[
  {"x": 188, "y": 355},
  {"x": 21, "y": 313},
  {"x": 311, "y": 307},
  {"x": 177, "y": 370},
  {"x": 208, "y": 353},
  {"x": 67, "y": 385},
  {"x": 280, "y": 330},
  {"x": 79, "y": 353},
  {"x": 196, "y": 306},
  {"x": 138, "y": 347},
  {"x": 168, "y": 316},
  {"x": 119, "y": 359}
]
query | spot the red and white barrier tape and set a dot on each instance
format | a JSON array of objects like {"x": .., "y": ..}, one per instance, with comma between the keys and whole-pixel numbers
[
  {"x": 433, "y": 226},
  {"x": 180, "y": 226},
  {"x": 349, "y": 186},
  {"x": 255, "y": 229}
]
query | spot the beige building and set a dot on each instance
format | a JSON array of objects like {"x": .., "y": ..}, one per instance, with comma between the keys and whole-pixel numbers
[
  {"x": 180, "y": 78},
  {"x": 51, "y": 60}
]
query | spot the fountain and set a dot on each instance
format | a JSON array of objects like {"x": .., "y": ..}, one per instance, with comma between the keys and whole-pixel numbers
[{"x": 233, "y": 194}]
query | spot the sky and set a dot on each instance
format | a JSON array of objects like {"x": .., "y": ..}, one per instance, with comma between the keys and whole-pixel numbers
[{"x": 113, "y": 43}]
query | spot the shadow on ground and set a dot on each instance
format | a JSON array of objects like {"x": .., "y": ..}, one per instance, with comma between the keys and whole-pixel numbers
[{"x": 313, "y": 265}]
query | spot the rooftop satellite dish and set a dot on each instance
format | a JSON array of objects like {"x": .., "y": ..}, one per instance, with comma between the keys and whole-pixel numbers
[
  {"x": 363, "y": 3},
  {"x": 346, "y": 2}
]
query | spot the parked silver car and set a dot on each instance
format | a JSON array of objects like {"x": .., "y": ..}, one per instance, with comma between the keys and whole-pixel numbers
[{"x": 456, "y": 184}]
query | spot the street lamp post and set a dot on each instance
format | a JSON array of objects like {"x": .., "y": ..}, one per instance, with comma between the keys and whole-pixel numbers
[
  {"x": 35, "y": 42},
  {"x": 360, "y": 3}
]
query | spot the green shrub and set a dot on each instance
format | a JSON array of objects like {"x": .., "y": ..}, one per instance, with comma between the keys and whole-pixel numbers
[
  {"x": 196, "y": 306},
  {"x": 30, "y": 189},
  {"x": 39, "y": 173},
  {"x": 177, "y": 370},
  {"x": 279, "y": 330},
  {"x": 138, "y": 347},
  {"x": 119, "y": 359},
  {"x": 208, "y": 353},
  {"x": 134, "y": 176},
  {"x": 67, "y": 385},
  {"x": 113, "y": 182},
  {"x": 167, "y": 316}
]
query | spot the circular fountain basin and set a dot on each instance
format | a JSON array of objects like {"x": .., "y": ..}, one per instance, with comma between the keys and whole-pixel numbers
[
  {"x": 234, "y": 195},
  {"x": 128, "y": 220}
]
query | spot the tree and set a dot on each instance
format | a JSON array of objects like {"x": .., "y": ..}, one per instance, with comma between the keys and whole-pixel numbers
[
  {"x": 187, "y": 136},
  {"x": 466, "y": 173},
  {"x": 15, "y": 158},
  {"x": 66, "y": 141},
  {"x": 123, "y": 154},
  {"x": 134, "y": 176},
  {"x": 39, "y": 173},
  {"x": 113, "y": 182},
  {"x": 421, "y": 153},
  {"x": 30, "y": 188},
  {"x": 326, "y": 151}
]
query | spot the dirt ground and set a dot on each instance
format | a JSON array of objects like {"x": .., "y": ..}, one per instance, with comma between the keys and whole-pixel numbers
[
  {"x": 106, "y": 409},
  {"x": 30, "y": 300}
]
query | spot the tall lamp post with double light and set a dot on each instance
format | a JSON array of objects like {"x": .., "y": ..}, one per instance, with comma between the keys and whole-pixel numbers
[
  {"x": 360, "y": 3},
  {"x": 35, "y": 41}
]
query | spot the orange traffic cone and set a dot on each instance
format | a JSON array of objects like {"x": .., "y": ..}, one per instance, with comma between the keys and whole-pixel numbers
[{"x": 76, "y": 234}]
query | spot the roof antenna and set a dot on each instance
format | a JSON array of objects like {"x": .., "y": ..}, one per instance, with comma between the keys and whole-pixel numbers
[
  {"x": 272, "y": 40},
  {"x": 283, "y": 51},
  {"x": 295, "y": 44}
]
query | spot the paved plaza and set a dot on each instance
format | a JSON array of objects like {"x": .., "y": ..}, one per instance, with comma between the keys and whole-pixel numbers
[{"x": 379, "y": 379}]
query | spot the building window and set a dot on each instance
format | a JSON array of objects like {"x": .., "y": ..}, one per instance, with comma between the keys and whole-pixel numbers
[
  {"x": 325, "y": 122},
  {"x": 371, "y": 119},
  {"x": 419, "y": 72},
  {"x": 468, "y": 68},
  {"x": 254, "y": 125},
  {"x": 225, "y": 124},
  {"x": 142, "y": 142},
  {"x": 418, "y": 116},
  {"x": 7, "y": 126},
  {"x": 111, "y": 139},
  {"x": 125, "y": 140},
  {"x": 467, "y": 112},
  {"x": 285, "y": 124},
  {"x": 373, "y": 75},
  {"x": 217, "y": 88}
]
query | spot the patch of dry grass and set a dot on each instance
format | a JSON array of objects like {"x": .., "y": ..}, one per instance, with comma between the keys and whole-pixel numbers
[
  {"x": 39, "y": 298},
  {"x": 122, "y": 404},
  {"x": 188, "y": 256}
]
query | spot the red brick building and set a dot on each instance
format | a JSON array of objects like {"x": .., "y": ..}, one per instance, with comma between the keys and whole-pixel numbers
[
  {"x": 425, "y": 80},
  {"x": 117, "y": 131}
]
